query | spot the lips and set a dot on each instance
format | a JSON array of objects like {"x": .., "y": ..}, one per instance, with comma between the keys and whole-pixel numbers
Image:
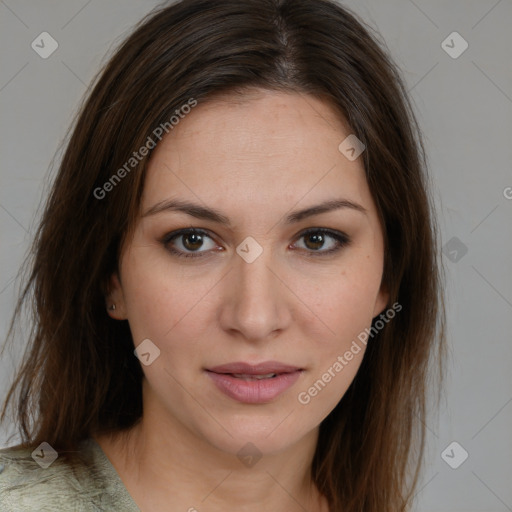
[
  {"x": 254, "y": 384},
  {"x": 268, "y": 367},
  {"x": 246, "y": 376}
]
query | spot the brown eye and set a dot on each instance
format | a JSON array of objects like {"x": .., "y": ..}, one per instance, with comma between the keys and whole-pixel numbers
[
  {"x": 188, "y": 242},
  {"x": 320, "y": 241},
  {"x": 314, "y": 241},
  {"x": 192, "y": 241}
]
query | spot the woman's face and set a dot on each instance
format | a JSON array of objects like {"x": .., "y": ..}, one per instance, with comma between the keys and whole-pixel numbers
[{"x": 259, "y": 288}]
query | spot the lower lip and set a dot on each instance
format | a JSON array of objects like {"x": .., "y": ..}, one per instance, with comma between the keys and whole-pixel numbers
[{"x": 254, "y": 391}]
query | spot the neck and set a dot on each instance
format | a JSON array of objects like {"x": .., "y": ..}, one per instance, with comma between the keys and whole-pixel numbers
[{"x": 161, "y": 464}]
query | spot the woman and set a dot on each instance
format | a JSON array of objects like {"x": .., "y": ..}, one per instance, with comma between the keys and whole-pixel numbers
[{"x": 235, "y": 283}]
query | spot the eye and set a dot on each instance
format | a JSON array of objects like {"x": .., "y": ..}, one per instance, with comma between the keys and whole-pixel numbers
[
  {"x": 185, "y": 240},
  {"x": 316, "y": 239},
  {"x": 187, "y": 243}
]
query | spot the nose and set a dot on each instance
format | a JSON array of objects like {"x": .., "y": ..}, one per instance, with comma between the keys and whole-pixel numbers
[{"x": 256, "y": 305}]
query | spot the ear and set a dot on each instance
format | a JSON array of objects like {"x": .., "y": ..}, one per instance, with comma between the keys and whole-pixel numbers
[
  {"x": 381, "y": 301},
  {"x": 115, "y": 297}
]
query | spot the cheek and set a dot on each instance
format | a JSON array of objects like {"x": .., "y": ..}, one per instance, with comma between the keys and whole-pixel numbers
[
  {"x": 154, "y": 300},
  {"x": 347, "y": 310},
  {"x": 160, "y": 310},
  {"x": 345, "y": 302},
  {"x": 346, "y": 306},
  {"x": 168, "y": 305}
]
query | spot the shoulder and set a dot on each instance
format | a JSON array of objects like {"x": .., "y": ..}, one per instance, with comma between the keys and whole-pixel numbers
[
  {"x": 29, "y": 484},
  {"x": 32, "y": 480}
]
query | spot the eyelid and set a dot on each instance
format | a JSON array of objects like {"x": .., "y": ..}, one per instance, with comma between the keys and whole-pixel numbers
[{"x": 184, "y": 231}]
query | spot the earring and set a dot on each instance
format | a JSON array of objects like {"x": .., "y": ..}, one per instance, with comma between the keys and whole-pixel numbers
[{"x": 112, "y": 307}]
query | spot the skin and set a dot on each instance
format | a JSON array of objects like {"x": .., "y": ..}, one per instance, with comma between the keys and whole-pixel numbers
[{"x": 256, "y": 161}]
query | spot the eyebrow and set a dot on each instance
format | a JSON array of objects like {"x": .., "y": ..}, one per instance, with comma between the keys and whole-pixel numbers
[{"x": 202, "y": 212}]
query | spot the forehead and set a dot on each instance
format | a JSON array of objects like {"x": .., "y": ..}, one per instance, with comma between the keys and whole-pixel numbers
[{"x": 263, "y": 149}]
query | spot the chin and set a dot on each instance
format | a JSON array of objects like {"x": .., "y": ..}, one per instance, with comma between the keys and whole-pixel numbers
[{"x": 267, "y": 436}]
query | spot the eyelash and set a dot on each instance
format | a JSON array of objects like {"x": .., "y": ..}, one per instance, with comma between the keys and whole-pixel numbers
[{"x": 341, "y": 239}]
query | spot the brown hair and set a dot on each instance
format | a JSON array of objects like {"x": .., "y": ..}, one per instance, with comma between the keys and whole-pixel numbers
[{"x": 79, "y": 375}]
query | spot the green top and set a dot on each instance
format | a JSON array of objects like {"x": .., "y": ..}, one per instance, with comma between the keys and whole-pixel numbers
[{"x": 26, "y": 485}]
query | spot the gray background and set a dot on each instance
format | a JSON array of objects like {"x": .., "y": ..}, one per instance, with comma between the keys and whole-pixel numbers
[{"x": 464, "y": 105}]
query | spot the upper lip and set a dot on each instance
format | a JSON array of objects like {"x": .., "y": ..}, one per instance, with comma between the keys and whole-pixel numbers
[{"x": 254, "y": 369}]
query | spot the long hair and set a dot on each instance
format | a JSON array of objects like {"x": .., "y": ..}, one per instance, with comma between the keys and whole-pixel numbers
[{"x": 79, "y": 375}]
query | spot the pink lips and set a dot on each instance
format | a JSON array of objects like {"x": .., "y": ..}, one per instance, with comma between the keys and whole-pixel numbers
[{"x": 240, "y": 380}]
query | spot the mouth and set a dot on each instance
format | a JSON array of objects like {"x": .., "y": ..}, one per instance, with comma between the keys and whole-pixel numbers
[
  {"x": 254, "y": 384},
  {"x": 244, "y": 376}
]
